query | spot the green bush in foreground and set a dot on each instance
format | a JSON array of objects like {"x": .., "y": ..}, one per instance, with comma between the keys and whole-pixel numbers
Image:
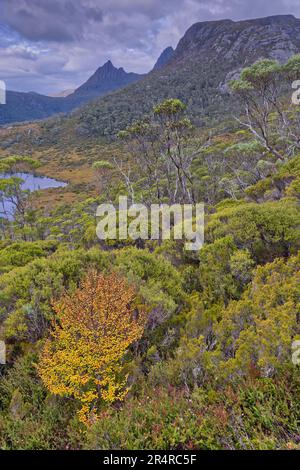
[{"x": 257, "y": 414}]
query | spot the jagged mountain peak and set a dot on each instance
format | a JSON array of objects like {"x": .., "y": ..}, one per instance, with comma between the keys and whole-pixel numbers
[
  {"x": 164, "y": 58},
  {"x": 274, "y": 36},
  {"x": 107, "y": 78},
  {"x": 108, "y": 70},
  {"x": 108, "y": 65}
]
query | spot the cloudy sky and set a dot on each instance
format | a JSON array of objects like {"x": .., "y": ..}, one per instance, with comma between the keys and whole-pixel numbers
[{"x": 52, "y": 45}]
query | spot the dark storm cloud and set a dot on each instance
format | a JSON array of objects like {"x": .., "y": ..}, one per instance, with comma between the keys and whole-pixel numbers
[
  {"x": 50, "y": 20},
  {"x": 49, "y": 45},
  {"x": 67, "y": 20}
]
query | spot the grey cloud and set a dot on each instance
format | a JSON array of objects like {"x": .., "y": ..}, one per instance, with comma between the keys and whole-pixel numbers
[
  {"x": 50, "y": 20},
  {"x": 22, "y": 51},
  {"x": 70, "y": 20}
]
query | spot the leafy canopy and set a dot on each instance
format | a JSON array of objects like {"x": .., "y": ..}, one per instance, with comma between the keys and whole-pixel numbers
[{"x": 83, "y": 358}]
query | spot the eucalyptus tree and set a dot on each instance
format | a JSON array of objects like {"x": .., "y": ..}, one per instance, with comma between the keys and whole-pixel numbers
[
  {"x": 265, "y": 89},
  {"x": 14, "y": 200},
  {"x": 163, "y": 151}
]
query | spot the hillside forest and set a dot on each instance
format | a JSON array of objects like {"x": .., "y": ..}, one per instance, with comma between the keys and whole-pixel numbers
[{"x": 140, "y": 344}]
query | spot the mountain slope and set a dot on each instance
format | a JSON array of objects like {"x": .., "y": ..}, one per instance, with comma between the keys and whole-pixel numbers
[
  {"x": 31, "y": 106},
  {"x": 206, "y": 58},
  {"x": 105, "y": 79},
  {"x": 62, "y": 94},
  {"x": 164, "y": 58}
]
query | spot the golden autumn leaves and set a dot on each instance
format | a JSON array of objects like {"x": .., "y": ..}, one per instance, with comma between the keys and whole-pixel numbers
[{"x": 95, "y": 326}]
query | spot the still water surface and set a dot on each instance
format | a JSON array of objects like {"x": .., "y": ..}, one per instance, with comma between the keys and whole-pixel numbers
[{"x": 31, "y": 183}]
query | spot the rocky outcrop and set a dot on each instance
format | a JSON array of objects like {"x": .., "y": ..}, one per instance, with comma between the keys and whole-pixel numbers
[
  {"x": 164, "y": 58},
  {"x": 105, "y": 79}
]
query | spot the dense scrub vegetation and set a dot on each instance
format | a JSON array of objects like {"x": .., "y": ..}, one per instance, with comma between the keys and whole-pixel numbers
[{"x": 141, "y": 344}]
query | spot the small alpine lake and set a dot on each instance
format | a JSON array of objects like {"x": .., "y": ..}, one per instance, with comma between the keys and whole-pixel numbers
[{"x": 31, "y": 182}]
